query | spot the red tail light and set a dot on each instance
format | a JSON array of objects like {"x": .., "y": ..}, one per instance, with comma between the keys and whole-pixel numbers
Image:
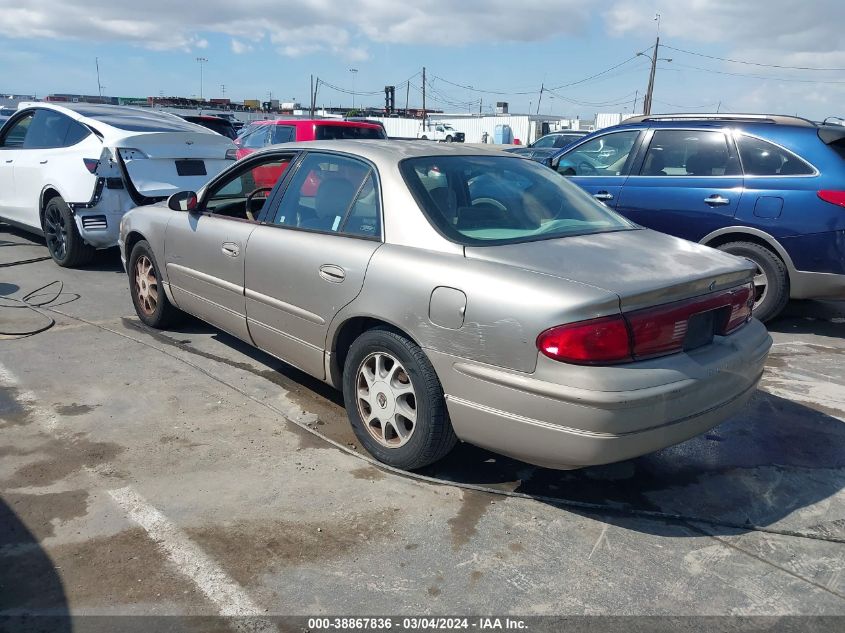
[
  {"x": 833, "y": 197},
  {"x": 597, "y": 341},
  {"x": 645, "y": 333},
  {"x": 91, "y": 164}
]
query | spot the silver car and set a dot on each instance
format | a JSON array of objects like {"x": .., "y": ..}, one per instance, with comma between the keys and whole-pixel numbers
[{"x": 457, "y": 294}]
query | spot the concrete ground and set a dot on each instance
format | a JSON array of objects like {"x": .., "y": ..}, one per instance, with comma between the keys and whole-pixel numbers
[{"x": 161, "y": 473}]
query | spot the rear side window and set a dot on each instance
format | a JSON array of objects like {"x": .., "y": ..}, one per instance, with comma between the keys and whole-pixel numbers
[
  {"x": 48, "y": 129},
  {"x": 283, "y": 134},
  {"x": 333, "y": 194},
  {"x": 689, "y": 153},
  {"x": 761, "y": 158},
  {"x": 76, "y": 132},
  {"x": 336, "y": 132}
]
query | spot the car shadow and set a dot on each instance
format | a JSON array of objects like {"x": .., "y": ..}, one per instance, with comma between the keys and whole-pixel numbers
[
  {"x": 771, "y": 460},
  {"x": 29, "y": 581},
  {"x": 823, "y": 318}
]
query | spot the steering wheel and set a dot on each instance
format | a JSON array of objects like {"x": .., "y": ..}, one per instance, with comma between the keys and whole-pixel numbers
[
  {"x": 586, "y": 169},
  {"x": 489, "y": 201},
  {"x": 249, "y": 214}
]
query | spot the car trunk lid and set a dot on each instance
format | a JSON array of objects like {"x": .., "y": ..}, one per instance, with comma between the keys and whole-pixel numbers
[
  {"x": 642, "y": 267},
  {"x": 161, "y": 163}
]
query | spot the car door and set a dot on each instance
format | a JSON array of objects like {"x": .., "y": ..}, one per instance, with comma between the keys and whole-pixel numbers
[
  {"x": 309, "y": 257},
  {"x": 11, "y": 148},
  {"x": 204, "y": 250},
  {"x": 600, "y": 165},
  {"x": 54, "y": 154},
  {"x": 688, "y": 183}
]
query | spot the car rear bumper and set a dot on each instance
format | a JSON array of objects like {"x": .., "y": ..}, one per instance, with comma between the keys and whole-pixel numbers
[{"x": 639, "y": 408}]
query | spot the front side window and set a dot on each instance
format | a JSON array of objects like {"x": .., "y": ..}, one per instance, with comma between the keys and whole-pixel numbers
[
  {"x": 689, "y": 153},
  {"x": 14, "y": 138},
  {"x": 761, "y": 158},
  {"x": 545, "y": 141},
  {"x": 334, "y": 194},
  {"x": 602, "y": 156},
  {"x": 243, "y": 194},
  {"x": 478, "y": 200}
]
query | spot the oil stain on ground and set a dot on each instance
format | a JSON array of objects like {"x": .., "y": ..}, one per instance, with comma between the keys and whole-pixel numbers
[
  {"x": 75, "y": 409},
  {"x": 250, "y": 549},
  {"x": 40, "y": 512},
  {"x": 464, "y": 525}
]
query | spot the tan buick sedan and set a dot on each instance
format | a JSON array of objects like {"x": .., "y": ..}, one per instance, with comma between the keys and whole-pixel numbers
[{"x": 457, "y": 294}]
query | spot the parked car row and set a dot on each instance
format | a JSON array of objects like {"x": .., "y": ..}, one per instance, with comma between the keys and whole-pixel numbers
[{"x": 451, "y": 293}]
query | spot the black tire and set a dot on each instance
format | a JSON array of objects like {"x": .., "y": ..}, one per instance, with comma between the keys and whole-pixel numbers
[
  {"x": 432, "y": 437},
  {"x": 151, "y": 303},
  {"x": 424, "y": 137},
  {"x": 64, "y": 243},
  {"x": 770, "y": 303},
  {"x": 448, "y": 138}
]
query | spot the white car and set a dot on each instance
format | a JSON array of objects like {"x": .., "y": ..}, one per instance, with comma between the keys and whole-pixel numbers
[
  {"x": 70, "y": 171},
  {"x": 442, "y": 132}
]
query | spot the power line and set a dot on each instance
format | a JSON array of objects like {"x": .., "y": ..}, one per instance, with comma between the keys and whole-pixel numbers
[
  {"x": 740, "y": 61},
  {"x": 765, "y": 77}
]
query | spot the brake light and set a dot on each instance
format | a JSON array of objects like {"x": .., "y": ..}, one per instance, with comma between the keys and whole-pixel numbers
[
  {"x": 646, "y": 333},
  {"x": 833, "y": 197},
  {"x": 91, "y": 164},
  {"x": 598, "y": 341}
]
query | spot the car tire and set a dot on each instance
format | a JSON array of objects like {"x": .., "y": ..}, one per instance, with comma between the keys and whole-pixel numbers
[
  {"x": 448, "y": 138},
  {"x": 145, "y": 285},
  {"x": 424, "y": 137},
  {"x": 66, "y": 246},
  {"x": 771, "y": 282},
  {"x": 371, "y": 375}
]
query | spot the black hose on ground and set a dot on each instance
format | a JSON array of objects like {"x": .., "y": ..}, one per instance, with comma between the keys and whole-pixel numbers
[{"x": 26, "y": 303}]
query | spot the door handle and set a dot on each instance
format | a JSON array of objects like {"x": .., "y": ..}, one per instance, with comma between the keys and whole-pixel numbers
[
  {"x": 717, "y": 201},
  {"x": 10, "y": 160},
  {"x": 332, "y": 273},
  {"x": 42, "y": 162},
  {"x": 231, "y": 249},
  {"x": 603, "y": 195}
]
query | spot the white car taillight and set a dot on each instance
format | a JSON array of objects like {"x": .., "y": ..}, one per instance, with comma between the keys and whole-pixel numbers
[{"x": 231, "y": 154}]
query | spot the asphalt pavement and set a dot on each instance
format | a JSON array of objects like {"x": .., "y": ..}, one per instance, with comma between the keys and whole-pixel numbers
[{"x": 176, "y": 473}]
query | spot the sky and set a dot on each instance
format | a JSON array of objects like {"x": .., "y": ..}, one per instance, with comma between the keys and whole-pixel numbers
[{"x": 475, "y": 52}]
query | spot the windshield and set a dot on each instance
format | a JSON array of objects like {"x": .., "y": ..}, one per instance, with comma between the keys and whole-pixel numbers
[{"x": 477, "y": 200}]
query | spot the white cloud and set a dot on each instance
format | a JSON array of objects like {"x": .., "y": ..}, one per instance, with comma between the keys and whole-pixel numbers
[
  {"x": 239, "y": 47},
  {"x": 300, "y": 28}
]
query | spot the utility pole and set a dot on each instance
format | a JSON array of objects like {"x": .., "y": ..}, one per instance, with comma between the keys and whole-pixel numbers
[
  {"x": 311, "y": 97},
  {"x": 423, "y": 108},
  {"x": 650, "y": 90},
  {"x": 407, "y": 94},
  {"x": 540, "y": 100},
  {"x": 314, "y": 101},
  {"x": 99, "y": 85},
  {"x": 634, "y": 107},
  {"x": 354, "y": 72},
  {"x": 718, "y": 107},
  {"x": 201, "y": 61},
  {"x": 223, "y": 90}
]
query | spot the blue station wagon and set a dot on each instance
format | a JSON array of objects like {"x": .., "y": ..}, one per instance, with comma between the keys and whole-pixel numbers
[{"x": 768, "y": 188}]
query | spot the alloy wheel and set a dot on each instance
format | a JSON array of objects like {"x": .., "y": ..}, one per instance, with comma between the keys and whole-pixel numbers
[
  {"x": 146, "y": 285},
  {"x": 761, "y": 285},
  {"x": 56, "y": 232},
  {"x": 386, "y": 400}
]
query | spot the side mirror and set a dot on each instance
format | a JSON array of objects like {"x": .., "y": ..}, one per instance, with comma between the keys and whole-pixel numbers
[{"x": 183, "y": 201}]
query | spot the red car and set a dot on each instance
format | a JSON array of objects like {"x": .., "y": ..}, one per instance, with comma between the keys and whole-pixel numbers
[{"x": 259, "y": 134}]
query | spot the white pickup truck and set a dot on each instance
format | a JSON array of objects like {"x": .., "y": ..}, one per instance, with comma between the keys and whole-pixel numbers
[{"x": 442, "y": 132}]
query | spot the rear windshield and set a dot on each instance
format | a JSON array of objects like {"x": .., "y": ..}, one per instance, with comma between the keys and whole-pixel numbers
[
  {"x": 478, "y": 200},
  {"x": 839, "y": 147},
  {"x": 336, "y": 132},
  {"x": 132, "y": 120},
  {"x": 218, "y": 125}
]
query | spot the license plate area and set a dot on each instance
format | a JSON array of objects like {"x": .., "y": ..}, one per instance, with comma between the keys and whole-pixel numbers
[
  {"x": 702, "y": 327},
  {"x": 190, "y": 167}
]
